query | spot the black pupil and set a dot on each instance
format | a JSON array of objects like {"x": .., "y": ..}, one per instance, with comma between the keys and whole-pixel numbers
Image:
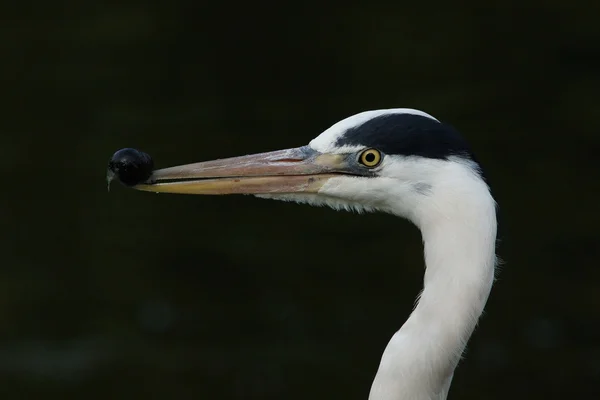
[{"x": 370, "y": 157}]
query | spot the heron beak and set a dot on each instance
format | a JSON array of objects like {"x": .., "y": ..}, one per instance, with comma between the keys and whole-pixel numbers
[{"x": 294, "y": 170}]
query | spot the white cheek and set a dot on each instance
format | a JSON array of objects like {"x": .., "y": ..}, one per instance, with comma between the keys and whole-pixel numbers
[{"x": 381, "y": 193}]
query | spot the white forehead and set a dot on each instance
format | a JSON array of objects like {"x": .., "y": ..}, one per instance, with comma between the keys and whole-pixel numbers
[{"x": 325, "y": 142}]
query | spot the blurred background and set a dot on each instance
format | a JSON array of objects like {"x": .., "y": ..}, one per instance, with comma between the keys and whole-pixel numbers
[{"x": 122, "y": 294}]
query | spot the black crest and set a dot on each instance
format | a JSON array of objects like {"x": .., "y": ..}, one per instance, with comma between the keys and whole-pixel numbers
[{"x": 408, "y": 135}]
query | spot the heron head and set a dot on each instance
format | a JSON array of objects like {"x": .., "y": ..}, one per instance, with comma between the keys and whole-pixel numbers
[{"x": 401, "y": 161}]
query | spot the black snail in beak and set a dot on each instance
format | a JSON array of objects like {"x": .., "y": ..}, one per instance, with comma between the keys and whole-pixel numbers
[{"x": 130, "y": 167}]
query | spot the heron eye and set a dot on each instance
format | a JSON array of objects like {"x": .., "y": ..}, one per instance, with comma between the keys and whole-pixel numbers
[{"x": 370, "y": 158}]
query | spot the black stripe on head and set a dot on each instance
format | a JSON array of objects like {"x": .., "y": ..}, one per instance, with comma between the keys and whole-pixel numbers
[{"x": 408, "y": 135}]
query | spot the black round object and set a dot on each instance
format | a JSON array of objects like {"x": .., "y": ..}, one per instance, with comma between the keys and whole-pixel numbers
[{"x": 131, "y": 166}]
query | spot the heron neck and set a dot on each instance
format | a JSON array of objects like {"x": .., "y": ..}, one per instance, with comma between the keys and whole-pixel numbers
[{"x": 419, "y": 361}]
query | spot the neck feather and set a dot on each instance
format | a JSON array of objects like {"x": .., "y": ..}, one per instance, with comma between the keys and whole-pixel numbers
[{"x": 459, "y": 245}]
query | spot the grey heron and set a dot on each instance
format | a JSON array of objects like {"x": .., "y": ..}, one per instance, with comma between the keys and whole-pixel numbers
[{"x": 399, "y": 161}]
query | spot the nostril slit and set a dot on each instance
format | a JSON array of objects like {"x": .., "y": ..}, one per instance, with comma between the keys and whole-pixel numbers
[{"x": 289, "y": 160}]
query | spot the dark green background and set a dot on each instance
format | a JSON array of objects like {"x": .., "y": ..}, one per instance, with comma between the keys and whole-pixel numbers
[{"x": 127, "y": 294}]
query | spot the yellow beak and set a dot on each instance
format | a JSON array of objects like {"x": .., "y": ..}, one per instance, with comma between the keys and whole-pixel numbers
[{"x": 297, "y": 170}]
